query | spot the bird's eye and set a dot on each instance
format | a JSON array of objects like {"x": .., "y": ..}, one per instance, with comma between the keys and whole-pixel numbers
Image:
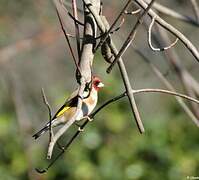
[{"x": 97, "y": 83}]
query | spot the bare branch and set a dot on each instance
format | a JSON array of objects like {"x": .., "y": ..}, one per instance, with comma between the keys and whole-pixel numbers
[
  {"x": 49, "y": 113},
  {"x": 169, "y": 86},
  {"x": 60, "y": 14},
  {"x": 149, "y": 39},
  {"x": 166, "y": 92},
  {"x": 196, "y": 9},
  {"x": 130, "y": 37},
  {"x": 106, "y": 104},
  {"x": 173, "y": 30},
  {"x": 79, "y": 131},
  {"x": 172, "y": 13},
  {"x": 132, "y": 12},
  {"x": 85, "y": 66},
  {"x": 74, "y": 7},
  {"x": 121, "y": 66},
  {"x": 191, "y": 86},
  {"x": 112, "y": 26},
  {"x": 74, "y": 19},
  {"x": 69, "y": 122}
]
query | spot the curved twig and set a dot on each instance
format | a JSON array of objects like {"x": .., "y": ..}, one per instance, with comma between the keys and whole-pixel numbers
[
  {"x": 75, "y": 20},
  {"x": 119, "y": 26},
  {"x": 121, "y": 66},
  {"x": 112, "y": 26},
  {"x": 172, "y": 13},
  {"x": 106, "y": 104},
  {"x": 149, "y": 39},
  {"x": 130, "y": 37},
  {"x": 169, "y": 86},
  {"x": 66, "y": 36},
  {"x": 79, "y": 131},
  {"x": 147, "y": 90},
  {"x": 132, "y": 12},
  {"x": 173, "y": 30}
]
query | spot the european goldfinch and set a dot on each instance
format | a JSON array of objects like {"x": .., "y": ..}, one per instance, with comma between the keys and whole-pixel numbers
[{"x": 67, "y": 111}]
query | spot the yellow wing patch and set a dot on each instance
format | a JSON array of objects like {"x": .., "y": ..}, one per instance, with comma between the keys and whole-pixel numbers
[{"x": 62, "y": 111}]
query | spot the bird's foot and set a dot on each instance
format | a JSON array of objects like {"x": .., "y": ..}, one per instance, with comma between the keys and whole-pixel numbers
[
  {"x": 80, "y": 129},
  {"x": 89, "y": 118}
]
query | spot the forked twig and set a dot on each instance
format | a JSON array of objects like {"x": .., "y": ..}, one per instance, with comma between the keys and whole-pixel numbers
[
  {"x": 150, "y": 90},
  {"x": 112, "y": 26},
  {"x": 69, "y": 122},
  {"x": 75, "y": 20},
  {"x": 149, "y": 39},
  {"x": 49, "y": 113},
  {"x": 129, "y": 92},
  {"x": 66, "y": 36},
  {"x": 172, "y": 13},
  {"x": 106, "y": 104},
  {"x": 130, "y": 37},
  {"x": 78, "y": 132},
  {"x": 85, "y": 64},
  {"x": 189, "y": 45},
  {"x": 121, "y": 66},
  {"x": 169, "y": 86}
]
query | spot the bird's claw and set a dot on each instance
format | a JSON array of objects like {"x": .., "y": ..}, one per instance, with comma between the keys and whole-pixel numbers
[
  {"x": 80, "y": 129},
  {"x": 90, "y": 119}
]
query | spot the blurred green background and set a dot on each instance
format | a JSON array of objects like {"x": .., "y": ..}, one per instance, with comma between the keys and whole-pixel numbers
[{"x": 34, "y": 54}]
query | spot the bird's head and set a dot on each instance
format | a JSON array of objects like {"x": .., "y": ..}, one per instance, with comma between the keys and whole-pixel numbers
[{"x": 97, "y": 83}]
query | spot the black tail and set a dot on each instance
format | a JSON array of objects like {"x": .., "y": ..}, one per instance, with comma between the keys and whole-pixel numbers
[{"x": 43, "y": 130}]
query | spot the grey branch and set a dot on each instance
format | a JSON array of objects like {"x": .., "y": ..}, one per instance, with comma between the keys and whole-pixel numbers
[
  {"x": 191, "y": 86},
  {"x": 149, "y": 39},
  {"x": 169, "y": 86},
  {"x": 131, "y": 36},
  {"x": 86, "y": 60},
  {"x": 196, "y": 9},
  {"x": 121, "y": 66},
  {"x": 172, "y": 13},
  {"x": 171, "y": 29}
]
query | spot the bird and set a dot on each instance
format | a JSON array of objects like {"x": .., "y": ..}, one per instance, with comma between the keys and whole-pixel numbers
[{"x": 68, "y": 109}]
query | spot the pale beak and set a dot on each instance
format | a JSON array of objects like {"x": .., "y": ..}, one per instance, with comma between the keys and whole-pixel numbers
[{"x": 100, "y": 85}]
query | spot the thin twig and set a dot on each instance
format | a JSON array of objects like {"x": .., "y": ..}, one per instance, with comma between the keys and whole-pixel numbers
[
  {"x": 169, "y": 86},
  {"x": 66, "y": 36},
  {"x": 148, "y": 90},
  {"x": 75, "y": 20},
  {"x": 190, "y": 85},
  {"x": 171, "y": 29},
  {"x": 132, "y": 12},
  {"x": 130, "y": 37},
  {"x": 112, "y": 26},
  {"x": 172, "y": 13},
  {"x": 74, "y": 7},
  {"x": 106, "y": 104},
  {"x": 85, "y": 64},
  {"x": 69, "y": 122},
  {"x": 149, "y": 39},
  {"x": 119, "y": 26},
  {"x": 196, "y": 9},
  {"x": 49, "y": 114},
  {"x": 121, "y": 66},
  {"x": 79, "y": 131}
]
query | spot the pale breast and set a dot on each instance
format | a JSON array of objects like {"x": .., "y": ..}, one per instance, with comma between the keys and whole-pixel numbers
[{"x": 88, "y": 105}]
